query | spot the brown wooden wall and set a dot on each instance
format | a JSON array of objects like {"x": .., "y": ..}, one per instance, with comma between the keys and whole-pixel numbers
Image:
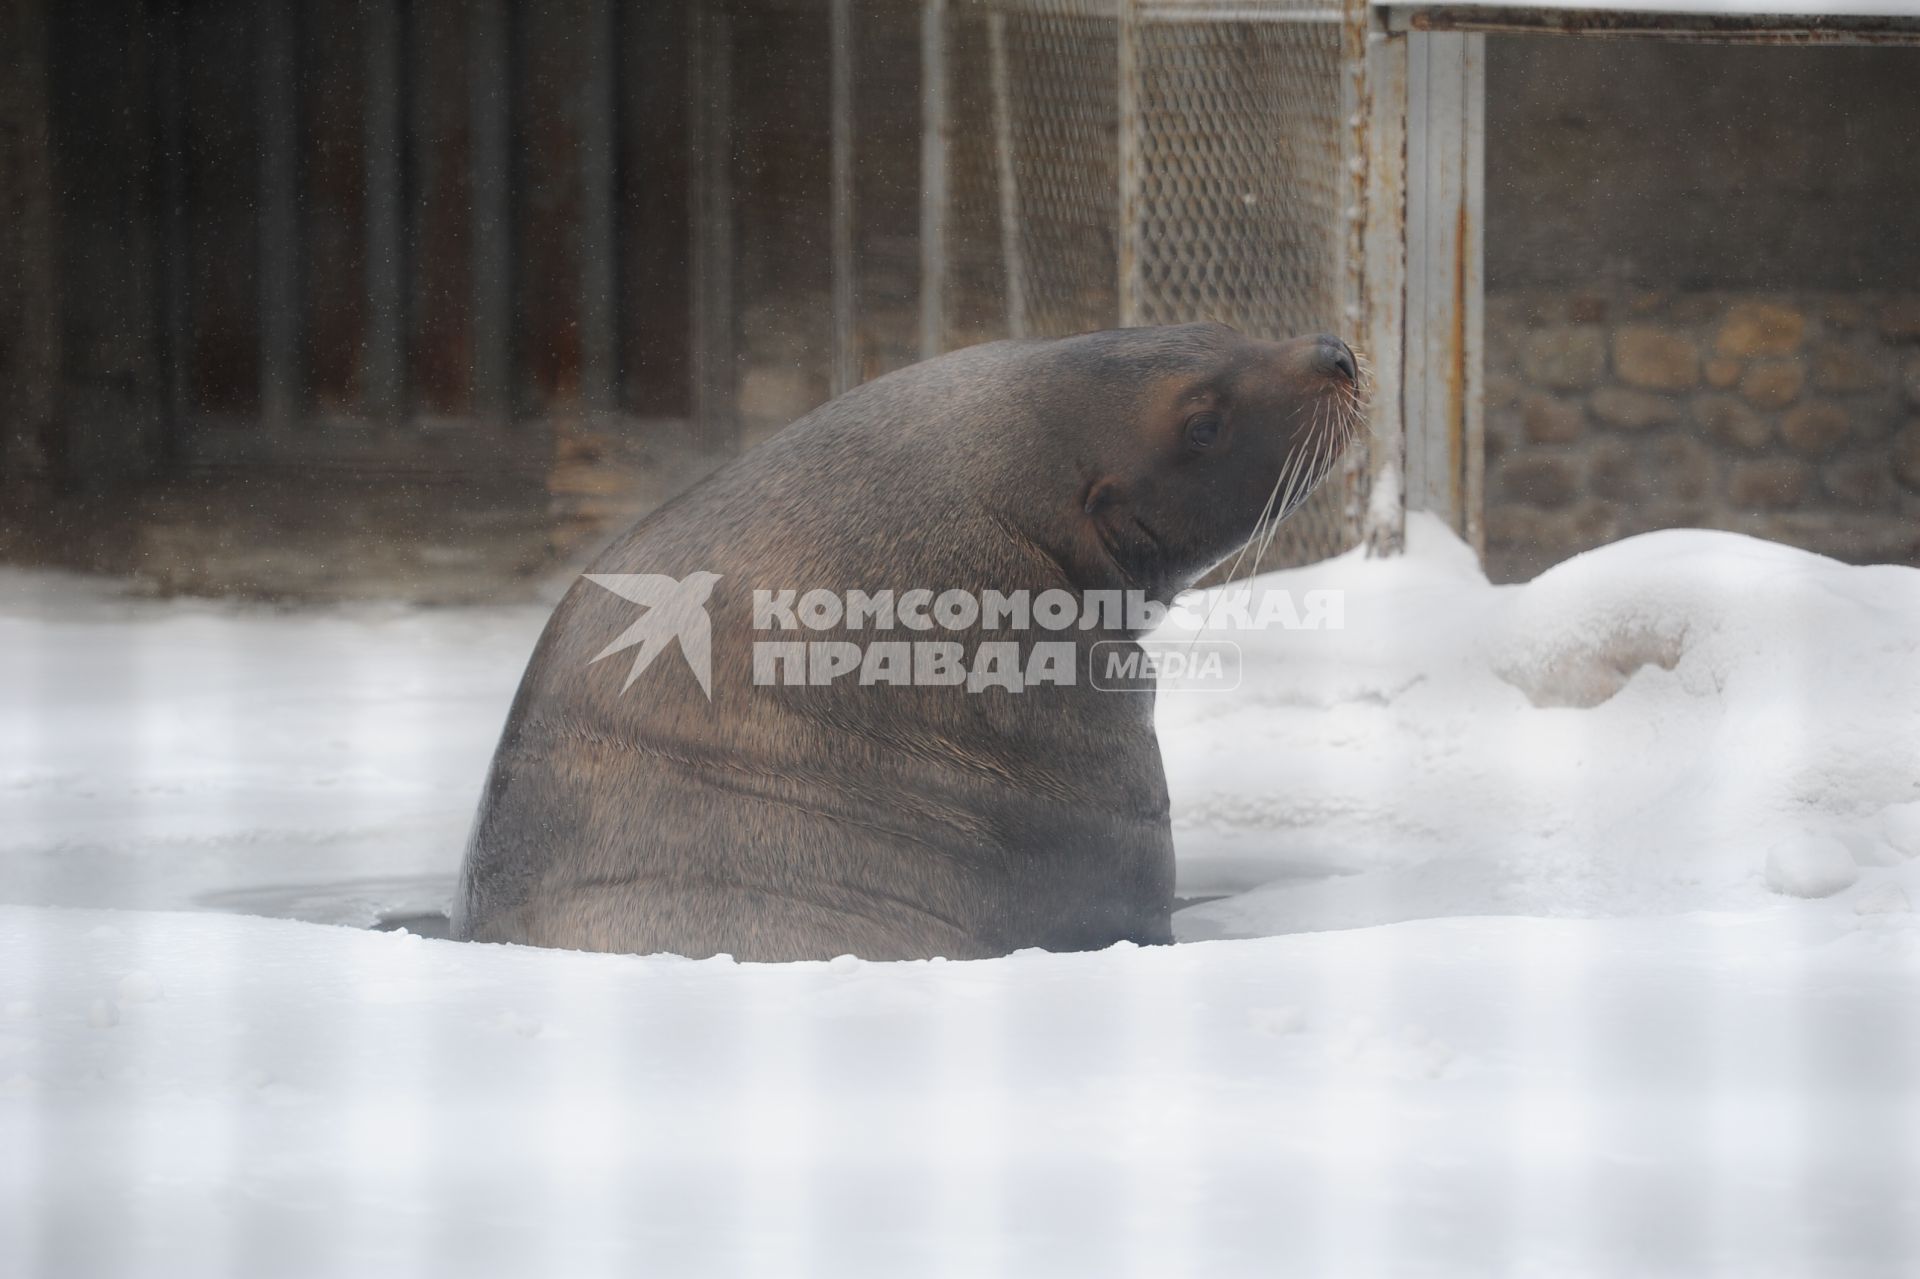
[
  {"x": 272, "y": 271},
  {"x": 366, "y": 234}
]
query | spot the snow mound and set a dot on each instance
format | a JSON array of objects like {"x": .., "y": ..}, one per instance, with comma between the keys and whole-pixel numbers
[
  {"x": 1633, "y": 732},
  {"x": 1576, "y": 634},
  {"x": 1811, "y": 866},
  {"x": 1623, "y": 862}
]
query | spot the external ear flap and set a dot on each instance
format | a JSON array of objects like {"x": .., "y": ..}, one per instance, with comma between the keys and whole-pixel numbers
[{"x": 1104, "y": 491}]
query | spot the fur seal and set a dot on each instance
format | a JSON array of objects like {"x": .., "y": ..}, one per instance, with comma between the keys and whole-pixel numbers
[{"x": 693, "y": 810}]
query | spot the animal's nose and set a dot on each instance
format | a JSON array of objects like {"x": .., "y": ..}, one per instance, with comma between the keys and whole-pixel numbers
[{"x": 1335, "y": 358}]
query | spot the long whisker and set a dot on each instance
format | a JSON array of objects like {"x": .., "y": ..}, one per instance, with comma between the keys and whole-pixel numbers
[
  {"x": 1302, "y": 484},
  {"x": 1310, "y": 480},
  {"x": 1272, "y": 496},
  {"x": 1334, "y": 423},
  {"x": 1234, "y": 569},
  {"x": 1295, "y": 472},
  {"x": 1276, "y": 506},
  {"x": 1297, "y": 476}
]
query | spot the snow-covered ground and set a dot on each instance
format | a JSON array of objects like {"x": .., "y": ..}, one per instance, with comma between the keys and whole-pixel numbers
[{"x": 1565, "y": 929}]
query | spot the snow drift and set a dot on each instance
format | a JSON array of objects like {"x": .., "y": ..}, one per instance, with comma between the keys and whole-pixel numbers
[{"x": 1569, "y": 931}]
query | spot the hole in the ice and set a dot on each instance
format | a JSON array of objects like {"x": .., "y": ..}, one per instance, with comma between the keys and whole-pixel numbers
[
  {"x": 385, "y": 902},
  {"x": 396, "y": 905},
  {"x": 437, "y": 924},
  {"x": 432, "y": 923}
]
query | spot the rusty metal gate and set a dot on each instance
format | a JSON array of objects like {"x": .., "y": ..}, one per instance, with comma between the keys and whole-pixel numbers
[{"x": 1109, "y": 162}]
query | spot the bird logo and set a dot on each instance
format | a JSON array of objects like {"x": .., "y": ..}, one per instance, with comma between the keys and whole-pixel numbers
[{"x": 675, "y": 610}]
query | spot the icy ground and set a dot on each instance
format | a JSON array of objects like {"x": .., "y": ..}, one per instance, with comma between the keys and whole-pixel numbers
[{"x": 1569, "y": 932}]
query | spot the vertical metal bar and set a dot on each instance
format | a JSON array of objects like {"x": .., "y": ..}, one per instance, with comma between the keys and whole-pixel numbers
[
  {"x": 1440, "y": 215},
  {"x": 935, "y": 136},
  {"x": 490, "y": 72},
  {"x": 1386, "y": 281},
  {"x": 1473, "y": 286},
  {"x": 599, "y": 260},
  {"x": 1351, "y": 244},
  {"x": 279, "y": 279},
  {"x": 843, "y": 375},
  {"x": 1131, "y": 281},
  {"x": 383, "y": 367},
  {"x": 1356, "y": 23},
  {"x": 711, "y": 140},
  {"x": 176, "y": 317},
  {"x": 34, "y": 198},
  {"x": 1442, "y": 320},
  {"x": 1419, "y": 173},
  {"x": 1012, "y": 255}
]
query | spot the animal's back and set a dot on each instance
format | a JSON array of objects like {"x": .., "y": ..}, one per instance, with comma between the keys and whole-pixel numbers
[{"x": 776, "y": 821}]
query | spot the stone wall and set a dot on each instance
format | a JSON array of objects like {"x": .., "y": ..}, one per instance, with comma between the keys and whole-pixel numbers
[
  {"x": 1790, "y": 416},
  {"x": 1693, "y": 166},
  {"x": 1691, "y": 253}
]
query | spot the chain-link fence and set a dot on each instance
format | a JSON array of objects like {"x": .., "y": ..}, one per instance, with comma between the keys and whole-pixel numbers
[{"x": 1150, "y": 162}]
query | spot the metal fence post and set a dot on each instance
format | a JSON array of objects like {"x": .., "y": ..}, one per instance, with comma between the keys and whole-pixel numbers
[
  {"x": 844, "y": 373},
  {"x": 1128, "y": 168},
  {"x": 279, "y": 287},
  {"x": 1012, "y": 255},
  {"x": 383, "y": 384},
  {"x": 1383, "y": 232},
  {"x": 490, "y": 379},
  {"x": 711, "y": 140},
  {"x": 934, "y": 135}
]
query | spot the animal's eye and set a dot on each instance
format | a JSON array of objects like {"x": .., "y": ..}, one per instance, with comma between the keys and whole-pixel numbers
[{"x": 1203, "y": 429}]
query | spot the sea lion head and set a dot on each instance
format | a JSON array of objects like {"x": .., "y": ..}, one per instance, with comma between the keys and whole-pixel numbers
[{"x": 1194, "y": 441}]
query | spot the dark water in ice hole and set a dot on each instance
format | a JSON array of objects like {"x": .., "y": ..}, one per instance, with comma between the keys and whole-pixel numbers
[{"x": 414, "y": 904}]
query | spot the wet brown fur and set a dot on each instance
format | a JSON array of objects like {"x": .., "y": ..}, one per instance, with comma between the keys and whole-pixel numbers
[{"x": 781, "y": 822}]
